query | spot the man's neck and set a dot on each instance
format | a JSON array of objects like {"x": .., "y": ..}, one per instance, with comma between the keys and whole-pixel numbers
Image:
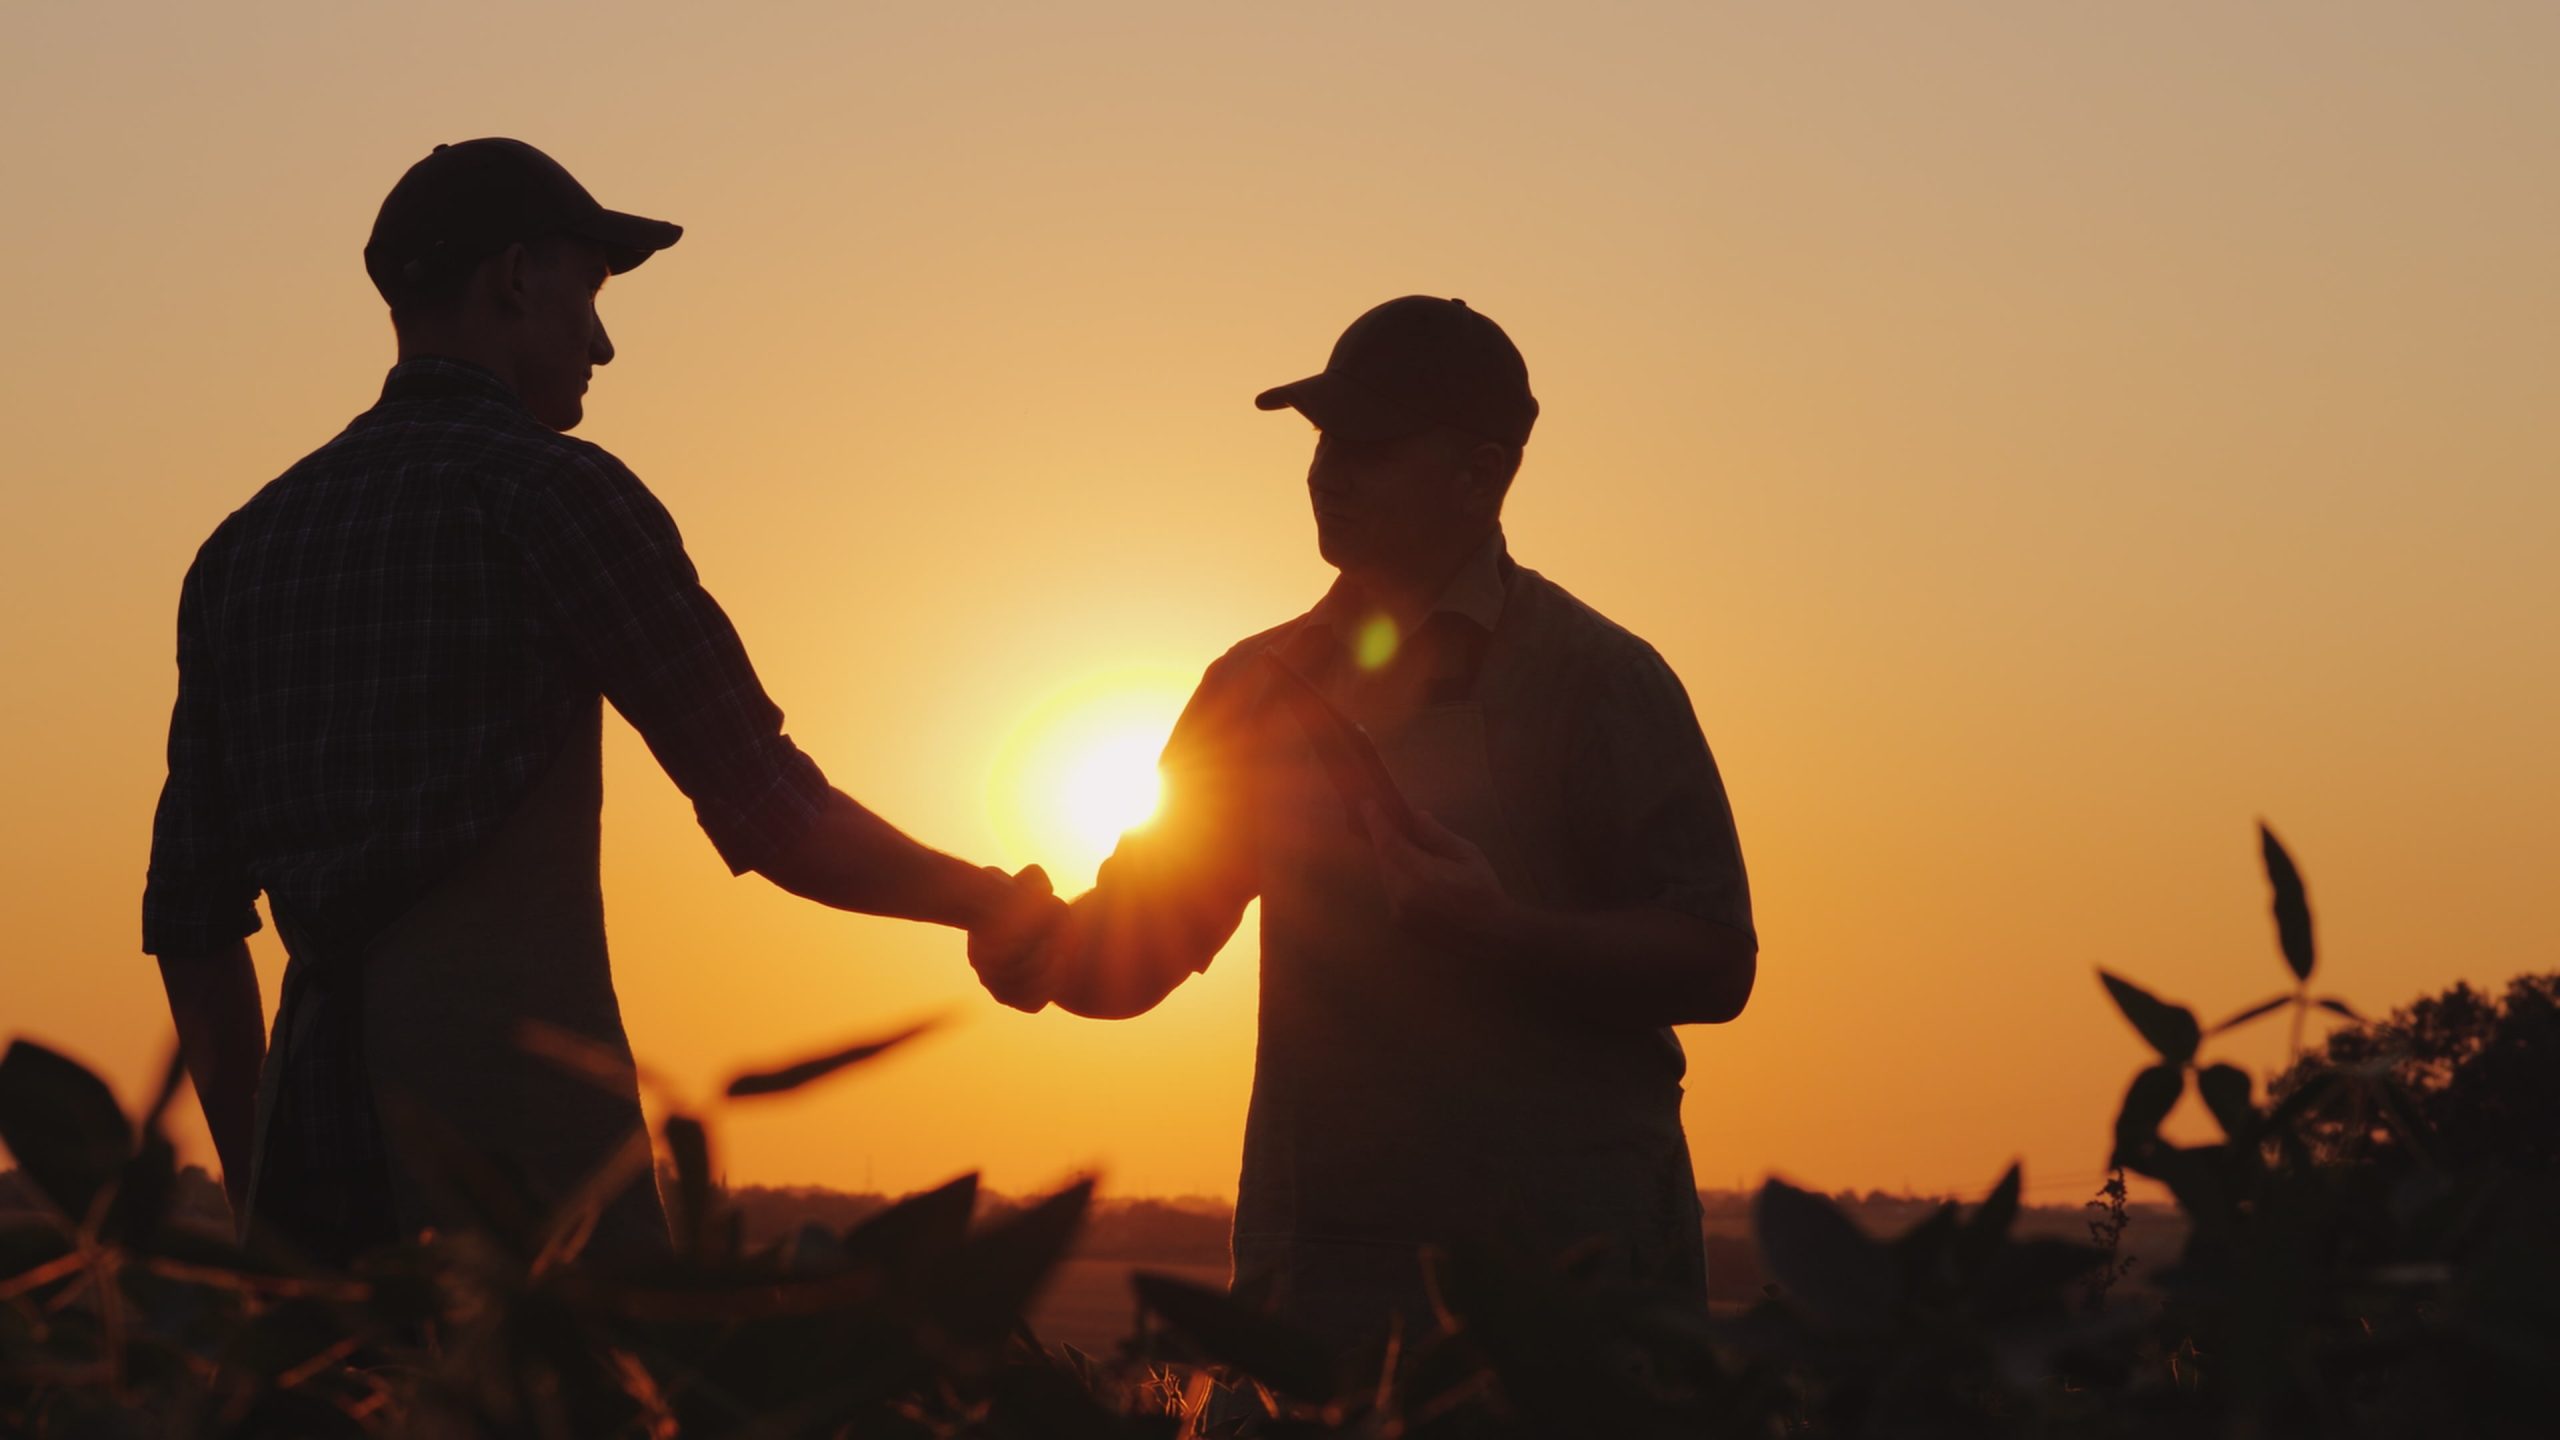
[
  {"x": 492, "y": 358},
  {"x": 1407, "y": 592}
]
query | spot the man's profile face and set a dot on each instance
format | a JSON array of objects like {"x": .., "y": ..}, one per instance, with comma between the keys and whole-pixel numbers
[
  {"x": 1382, "y": 505},
  {"x": 561, "y": 339}
]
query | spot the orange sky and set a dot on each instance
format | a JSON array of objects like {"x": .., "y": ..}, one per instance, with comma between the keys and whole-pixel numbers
[{"x": 2044, "y": 439}]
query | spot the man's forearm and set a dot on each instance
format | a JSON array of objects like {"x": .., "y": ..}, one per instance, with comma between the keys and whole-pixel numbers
[
  {"x": 854, "y": 860},
  {"x": 1645, "y": 966},
  {"x": 222, "y": 1032},
  {"x": 1120, "y": 955}
]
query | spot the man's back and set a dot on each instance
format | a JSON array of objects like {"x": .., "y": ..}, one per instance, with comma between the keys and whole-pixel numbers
[{"x": 384, "y": 649}]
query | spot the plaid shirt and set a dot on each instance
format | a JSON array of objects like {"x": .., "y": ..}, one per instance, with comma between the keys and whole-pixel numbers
[{"x": 380, "y": 653}]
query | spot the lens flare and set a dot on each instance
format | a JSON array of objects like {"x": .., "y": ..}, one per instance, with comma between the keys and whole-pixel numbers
[{"x": 1376, "y": 642}]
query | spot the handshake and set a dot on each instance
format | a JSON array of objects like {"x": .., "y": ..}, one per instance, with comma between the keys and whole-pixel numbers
[{"x": 1017, "y": 941}]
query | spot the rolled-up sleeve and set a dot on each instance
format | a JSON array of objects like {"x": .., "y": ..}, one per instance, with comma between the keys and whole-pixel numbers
[
  {"x": 1654, "y": 813},
  {"x": 610, "y": 571},
  {"x": 199, "y": 894}
]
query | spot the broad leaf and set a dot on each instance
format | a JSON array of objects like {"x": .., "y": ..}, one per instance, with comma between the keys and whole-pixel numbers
[
  {"x": 2225, "y": 1089},
  {"x": 792, "y": 1077},
  {"x": 1543, "y": 1342},
  {"x": 144, "y": 1190},
  {"x": 1234, "y": 1334},
  {"x": 2263, "y": 1007},
  {"x": 2170, "y": 1029},
  {"x": 1989, "y": 1223},
  {"x": 2292, "y": 906},
  {"x": 2338, "y": 1007},
  {"x": 2147, "y": 1102},
  {"x": 919, "y": 1229},
  {"x": 979, "y": 1297},
  {"x": 1821, "y": 1259},
  {"x": 63, "y": 1125}
]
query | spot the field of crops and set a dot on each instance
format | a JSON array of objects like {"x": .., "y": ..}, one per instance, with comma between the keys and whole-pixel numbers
[{"x": 2367, "y": 1250}]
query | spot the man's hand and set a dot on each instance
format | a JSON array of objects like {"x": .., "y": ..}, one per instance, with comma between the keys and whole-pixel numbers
[
  {"x": 1008, "y": 945},
  {"x": 1437, "y": 881},
  {"x": 1647, "y": 965}
]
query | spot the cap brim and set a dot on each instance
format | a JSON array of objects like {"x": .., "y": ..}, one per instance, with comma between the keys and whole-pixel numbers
[
  {"x": 627, "y": 239},
  {"x": 1339, "y": 407}
]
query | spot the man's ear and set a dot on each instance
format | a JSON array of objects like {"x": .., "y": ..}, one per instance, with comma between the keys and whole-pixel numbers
[
  {"x": 511, "y": 278},
  {"x": 1487, "y": 472}
]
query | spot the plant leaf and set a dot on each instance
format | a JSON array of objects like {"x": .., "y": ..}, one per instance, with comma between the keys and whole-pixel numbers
[
  {"x": 1988, "y": 1226},
  {"x": 916, "y": 1231},
  {"x": 2225, "y": 1089},
  {"x": 1821, "y": 1259},
  {"x": 792, "y": 1077},
  {"x": 2292, "y": 906},
  {"x": 689, "y": 1146},
  {"x": 2263, "y": 1007},
  {"x": 2147, "y": 1102},
  {"x": 1232, "y": 1333},
  {"x": 978, "y": 1297},
  {"x": 2170, "y": 1029},
  {"x": 63, "y": 1125},
  {"x": 1998, "y": 1210},
  {"x": 593, "y": 1061},
  {"x": 2336, "y": 1006}
]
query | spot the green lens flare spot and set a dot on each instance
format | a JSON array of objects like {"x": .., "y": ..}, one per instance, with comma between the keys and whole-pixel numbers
[{"x": 1375, "y": 645}]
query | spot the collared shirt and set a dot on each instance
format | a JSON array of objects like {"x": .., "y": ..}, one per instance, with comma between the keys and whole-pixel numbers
[
  {"x": 384, "y": 649},
  {"x": 1400, "y": 1095},
  {"x": 1371, "y": 665},
  {"x": 1594, "y": 749}
]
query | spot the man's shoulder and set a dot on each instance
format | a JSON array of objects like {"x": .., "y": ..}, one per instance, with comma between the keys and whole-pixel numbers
[
  {"x": 411, "y": 463},
  {"x": 1561, "y": 629},
  {"x": 1245, "y": 651}
]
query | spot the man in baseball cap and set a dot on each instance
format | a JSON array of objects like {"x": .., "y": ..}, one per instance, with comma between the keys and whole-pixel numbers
[
  {"x": 1495, "y": 861},
  {"x": 391, "y": 668}
]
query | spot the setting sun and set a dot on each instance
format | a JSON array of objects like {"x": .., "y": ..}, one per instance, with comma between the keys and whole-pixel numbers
[
  {"x": 1081, "y": 770},
  {"x": 1111, "y": 787}
]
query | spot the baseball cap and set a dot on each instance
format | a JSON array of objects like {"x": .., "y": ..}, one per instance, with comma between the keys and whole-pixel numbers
[
  {"x": 467, "y": 201},
  {"x": 1412, "y": 363}
]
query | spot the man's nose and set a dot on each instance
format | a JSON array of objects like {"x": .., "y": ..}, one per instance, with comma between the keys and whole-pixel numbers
[{"x": 600, "y": 348}]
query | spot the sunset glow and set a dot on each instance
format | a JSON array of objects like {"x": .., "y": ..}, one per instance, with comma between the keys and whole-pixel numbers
[
  {"x": 1081, "y": 770},
  {"x": 2042, "y": 440}
]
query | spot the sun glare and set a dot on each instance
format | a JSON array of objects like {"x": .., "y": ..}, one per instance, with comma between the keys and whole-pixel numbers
[{"x": 1081, "y": 770}]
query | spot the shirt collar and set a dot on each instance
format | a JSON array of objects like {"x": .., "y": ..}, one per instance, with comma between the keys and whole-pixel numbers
[
  {"x": 438, "y": 377},
  {"x": 1474, "y": 594}
]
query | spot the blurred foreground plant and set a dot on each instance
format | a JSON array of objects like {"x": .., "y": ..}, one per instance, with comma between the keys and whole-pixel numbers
[{"x": 2348, "y": 1271}]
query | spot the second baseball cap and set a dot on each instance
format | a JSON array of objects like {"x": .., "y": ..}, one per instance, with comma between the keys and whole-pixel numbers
[{"x": 1412, "y": 363}]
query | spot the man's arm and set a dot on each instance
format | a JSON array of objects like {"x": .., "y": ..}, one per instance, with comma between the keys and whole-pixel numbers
[
  {"x": 1122, "y": 950},
  {"x": 852, "y": 859},
  {"x": 222, "y": 1032},
  {"x": 199, "y": 905},
  {"x": 612, "y": 569},
  {"x": 1173, "y": 891},
  {"x": 1642, "y": 965},
  {"x": 1662, "y": 934}
]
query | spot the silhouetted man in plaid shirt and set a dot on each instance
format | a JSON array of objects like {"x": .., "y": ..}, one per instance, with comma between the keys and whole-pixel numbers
[{"x": 390, "y": 663}]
